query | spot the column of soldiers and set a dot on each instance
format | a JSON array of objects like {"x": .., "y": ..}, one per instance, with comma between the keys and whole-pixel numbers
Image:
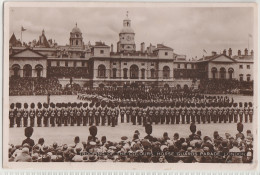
[{"x": 138, "y": 113}]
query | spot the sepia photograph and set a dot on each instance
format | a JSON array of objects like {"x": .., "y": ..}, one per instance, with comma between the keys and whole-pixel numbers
[{"x": 131, "y": 84}]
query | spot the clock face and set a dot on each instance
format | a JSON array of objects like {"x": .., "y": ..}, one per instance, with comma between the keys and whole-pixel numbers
[{"x": 128, "y": 38}]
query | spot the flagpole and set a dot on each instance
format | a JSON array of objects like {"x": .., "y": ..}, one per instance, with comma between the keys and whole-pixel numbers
[{"x": 248, "y": 42}]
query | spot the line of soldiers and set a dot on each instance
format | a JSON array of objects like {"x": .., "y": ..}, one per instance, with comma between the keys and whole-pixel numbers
[{"x": 109, "y": 113}]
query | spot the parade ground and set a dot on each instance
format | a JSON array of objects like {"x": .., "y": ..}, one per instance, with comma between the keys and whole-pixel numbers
[{"x": 63, "y": 135}]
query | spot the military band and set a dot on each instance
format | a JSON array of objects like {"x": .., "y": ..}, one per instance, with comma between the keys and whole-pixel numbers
[{"x": 110, "y": 113}]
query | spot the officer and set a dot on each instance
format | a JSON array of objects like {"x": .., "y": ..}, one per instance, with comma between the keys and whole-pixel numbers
[
  {"x": 39, "y": 115},
  {"x": 11, "y": 115},
  {"x": 32, "y": 114},
  {"x": 25, "y": 115}
]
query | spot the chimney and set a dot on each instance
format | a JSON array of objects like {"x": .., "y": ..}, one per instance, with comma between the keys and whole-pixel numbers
[
  {"x": 239, "y": 52},
  {"x": 142, "y": 47},
  {"x": 214, "y": 53},
  {"x": 112, "y": 48},
  {"x": 229, "y": 52},
  {"x": 246, "y": 51},
  {"x": 224, "y": 52},
  {"x": 252, "y": 53}
]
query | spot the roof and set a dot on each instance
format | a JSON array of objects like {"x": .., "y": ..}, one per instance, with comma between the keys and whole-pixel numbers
[
  {"x": 76, "y": 30},
  {"x": 127, "y": 30},
  {"x": 211, "y": 58},
  {"x": 100, "y": 44},
  {"x": 27, "y": 53},
  {"x": 163, "y": 47}
]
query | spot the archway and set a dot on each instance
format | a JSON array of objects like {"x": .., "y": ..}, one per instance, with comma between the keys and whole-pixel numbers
[
  {"x": 214, "y": 72},
  {"x": 27, "y": 70},
  {"x": 230, "y": 73},
  {"x": 222, "y": 73},
  {"x": 134, "y": 72},
  {"x": 39, "y": 69},
  {"x": 16, "y": 68},
  {"x": 101, "y": 71}
]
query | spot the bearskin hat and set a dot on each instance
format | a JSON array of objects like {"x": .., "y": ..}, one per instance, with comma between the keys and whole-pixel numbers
[
  {"x": 207, "y": 104},
  {"x": 240, "y": 104},
  {"x": 198, "y": 105},
  {"x": 85, "y": 105},
  {"x": 12, "y": 106},
  {"x": 240, "y": 127},
  {"x": 234, "y": 105},
  {"x": 69, "y": 104},
  {"x": 45, "y": 105},
  {"x": 39, "y": 105},
  {"x": 28, "y": 131},
  {"x": 25, "y": 105},
  {"x": 52, "y": 105},
  {"x": 245, "y": 104},
  {"x": 32, "y": 105},
  {"x": 193, "y": 128},
  {"x": 97, "y": 104},
  {"x": 58, "y": 105},
  {"x": 148, "y": 129},
  {"x": 79, "y": 105},
  {"x": 203, "y": 105},
  {"x": 93, "y": 131},
  {"x": 103, "y": 104},
  {"x": 250, "y": 104},
  {"x": 91, "y": 105},
  {"x": 188, "y": 105},
  {"x": 230, "y": 105}
]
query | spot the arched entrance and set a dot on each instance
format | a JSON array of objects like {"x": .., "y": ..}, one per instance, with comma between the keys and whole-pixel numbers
[
  {"x": 166, "y": 72},
  {"x": 222, "y": 73},
  {"x": 39, "y": 69},
  {"x": 16, "y": 68},
  {"x": 27, "y": 70},
  {"x": 101, "y": 71},
  {"x": 214, "y": 72},
  {"x": 230, "y": 73},
  {"x": 134, "y": 72}
]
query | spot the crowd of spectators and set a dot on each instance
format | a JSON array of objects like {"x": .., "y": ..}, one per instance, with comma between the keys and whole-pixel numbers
[
  {"x": 194, "y": 148},
  {"x": 40, "y": 86},
  {"x": 60, "y": 72},
  {"x": 223, "y": 86}
]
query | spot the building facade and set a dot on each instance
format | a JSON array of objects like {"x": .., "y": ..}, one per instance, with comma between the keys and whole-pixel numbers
[{"x": 98, "y": 65}]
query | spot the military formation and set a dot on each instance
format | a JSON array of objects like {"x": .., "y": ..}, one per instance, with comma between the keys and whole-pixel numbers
[{"x": 110, "y": 113}]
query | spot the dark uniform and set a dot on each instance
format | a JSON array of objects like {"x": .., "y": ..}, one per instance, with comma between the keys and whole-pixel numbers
[
  {"x": 128, "y": 113},
  {"x": 122, "y": 114},
  {"x": 46, "y": 118},
  {"x": 25, "y": 117},
  {"x": 11, "y": 116},
  {"x": 139, "y": 116},
  {"x": 65, "y": 116}
]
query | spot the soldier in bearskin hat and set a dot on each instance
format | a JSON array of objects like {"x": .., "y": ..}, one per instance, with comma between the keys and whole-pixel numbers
[
  {"x": 52, "y": 114},
  {"x": 134, "y": 113},
  {"x": 162, "y": 113},
  {"x": 97, "y": 114},
  {"x": 250, "y": 111},
  {"x": 144, "y": 115},
  {"x": 39, "y": 115},
  {"x": 177, "y": 113},
  {"x": 230, "y": 113},
  {"x": 208, "y": 113},
  {"x": 149, "y": 130},
  {"x": 113, "y": 116},
  {"x": 225, "y": 113},
  {"x": 66, "y": 114},
  {"x": 128, "y": 113},
  {"x": 172, "y": 113},
  {"x": 193, "y": 113},
  {"x": 58, "y": 114},
  {"x": 19, "y": 114},
  {"x": 198, "y": 113},
  {"x": 122, "y": 112},
  {"x": 11, "y": 115},
  {"x": 246, "y": 111},
  {"x": 241, "y": 112},
  {"x": 46, "y": 115},
  {"x": 140, "y": 116},
  {"x": 203, "y": 113},
  {"x": 236, "y": 111},
  {"x": 25, "y": 115},
  {"x": 72, "y": 115},
  {"x": 167, "y": 112},
  {"x": 32, "y": 114},
  {"x": 109, "y": 113},
  {"x": 188, "y": 113},
  {"x": 85, "y": 114},
  {"x": 183, "y": 114}
]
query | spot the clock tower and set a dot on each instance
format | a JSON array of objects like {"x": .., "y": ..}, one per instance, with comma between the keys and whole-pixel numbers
[{"x": 126, "y": 41}]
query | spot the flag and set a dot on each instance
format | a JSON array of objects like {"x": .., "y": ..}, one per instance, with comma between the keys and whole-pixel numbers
[
  {"x": 250, "y": 35},
  {"x": 22, "y": 29},
  {"x": 204, "y": 51}
]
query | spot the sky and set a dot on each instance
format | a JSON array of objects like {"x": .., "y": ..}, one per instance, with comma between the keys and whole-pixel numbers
[{"x": 188, "y": 30}]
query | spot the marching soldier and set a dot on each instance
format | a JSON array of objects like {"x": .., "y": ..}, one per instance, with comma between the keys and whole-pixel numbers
[
  {"x": 215, "y": 115},
  {"x": 230, "y": 113},
  {"x": 25, "y": 115},
  {"x": 183, "y": 111},
  {"x": 225, "y": 117},
  {"x": 113, "y": 116},
  {"x": 220, "y": 115},
  {"x": 97, "y": 117},
  {"x": 188, "y": 113},
  {"x": 11, "y": 115},
  {"x": 78, "y": 115},
  {"x": 198, "y": 113},
  {"x": 109, "y": 114},
  {"x": 203, "y": 113},
  {"x": 144, "y": 116},
  {"x": 162, "y": 114},
  {"x": 39, "y": 115},
  {"x": 72, "y": 117},
  {"x": 32, "y": 114},
  {"x": 167, "y": 114},
  {"x": 134, "y": 113},
  {"x": 156, "y": 116},
  {"x": 208, "y": 117}
]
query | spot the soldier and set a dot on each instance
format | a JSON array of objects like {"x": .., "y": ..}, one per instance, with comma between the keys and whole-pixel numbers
[
  {"x": 113, "y": 116},
  {"x": 85, "y": 114},
  {"x": 134, "y": 113},
  {"x": 220, "y": 115},
  {"x": 52, "y": 114},
  {"x": 225, "y": 113},
  {"x": 39, "y": 115},
  {"x": 11, "y": 115},
  {"x": 230, "y": 113},
  {"x": 183, "y": 113},
  {"x": 161, "y": 113},
  {"x": 188, "y": 113},
  {"x": 97, "y": 116},
  {"x": 58, "y": 115},
  {"x": 46, "y": 115},
  {"x": 128, "y": 113},
  {"x": 109, "y": 113},
  {"x": 241, "y": 112},
  {"x": 19, "y": 114},
  {"x": 32, "y": 114},
  {"x": 236, "y": 111},
  {"x": 208, "y": 116},
  {"x": 122, "y": 112},
  {"x": 246, "y": 112},
  {"x": 193, "y": 113},
  {"x": 25, "y": 115},
  {"x": 144, "y": 116},
  {"x": 140, "y": 116},
  {"x": 251, "y": 112},
  {"x": 167, "y": 112},
  {"x": 72, "y": 115},
  {"x": 66, "y": 115},
  {"x": 215, "y": 115},
  {"x": 150, "y": 116},
  {"x": 177, "y": 114},
  {"x": 203, "y": 113},
  {"x": 156, "y": 116},
  {"x": 198, "y": 113},
  {"x": 173, "y": 110}
]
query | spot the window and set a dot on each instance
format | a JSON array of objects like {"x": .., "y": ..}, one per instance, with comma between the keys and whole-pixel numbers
[
  {"x": 192, "y": 66},
  {"x": 248, "y": 77},
  {"x": 134, "y": 72},
  {"x": 125, "y": 73},
  {"x": 66, "y": 63},
  {"x": 77, "y": 42},
  {"x": 27, "y": 70},
  {"x": 58, "y": 63},
  {"x": 166, "y": 53},
  {"x": 222, "y": 73},
  {"x": 152, "y": 64},
  {"x": 166, "y": 72},
  {"x": 83, "y": 63},
  {"x": 125, "y": 63},
  {"x": 101, "y": 71},
  {"x": 74, "y": 63},
  {"x": 240, "y": 66},
  {"x": 114, "y": 73},
  {"x": 143, "y": 74},
  {"x": 114, "y": 63},
  {"x": 142, "y": 64},
  {"x": 179, "y": 66},
  {"x": 241, "y": 77},
  {"x": 152, "y": 73},
  {"x": 248, "y": 66},
  {"x": 101, "y": 51},
  {"x": 185, "y": 65}
]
